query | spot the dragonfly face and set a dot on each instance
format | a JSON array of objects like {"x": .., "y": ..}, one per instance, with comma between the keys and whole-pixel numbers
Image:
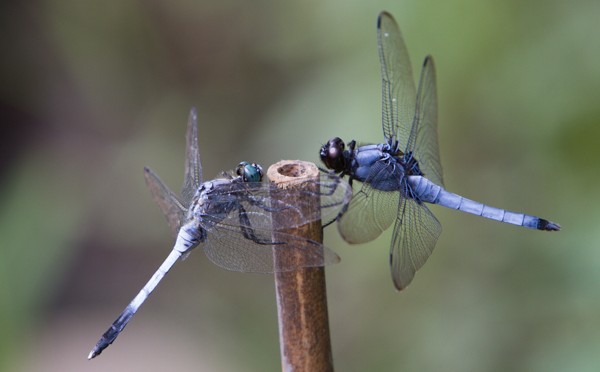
[
  {"x": 334, "y": 156},
  {"x": 404, "y": 171},
  {"x": 230, "y": 218}
]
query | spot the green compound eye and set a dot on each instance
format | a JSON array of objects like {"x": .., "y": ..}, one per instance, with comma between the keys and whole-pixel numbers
[{"x": 250, "y": 172}]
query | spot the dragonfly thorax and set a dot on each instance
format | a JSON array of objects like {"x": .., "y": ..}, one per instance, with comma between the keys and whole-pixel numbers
[
  {"x": 410, "y": 164},
  {"x": 207, "y": 203},
  {"x": 382, "y": 165}
]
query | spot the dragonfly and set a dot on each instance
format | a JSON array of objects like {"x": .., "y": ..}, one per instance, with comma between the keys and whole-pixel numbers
[
  {"x": 404, "y": 172},
  {"x": 231, "y": 218}
]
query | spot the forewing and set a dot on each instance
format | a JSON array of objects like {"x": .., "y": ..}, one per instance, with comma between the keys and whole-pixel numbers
[
  {"x": 423, "y": 140},
  {"x": 371, "y": 211},
  {"x": 415, "y": 233},
  {"x": 331, "y": 192},
  {"x": 193, "y": 167},
  {"x": 398, "y": 86},
  {"x": 227, "y": 246},
  {"x": 168, "y": 202}
]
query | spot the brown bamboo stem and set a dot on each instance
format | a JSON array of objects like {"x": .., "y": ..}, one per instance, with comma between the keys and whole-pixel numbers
[{"x": 305, "y": 343}]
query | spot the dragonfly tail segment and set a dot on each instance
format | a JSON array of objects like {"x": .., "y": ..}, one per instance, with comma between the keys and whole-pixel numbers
[
  {"x": 547, "y": 225},
  {"x": 111, "y": 334},
  {"x": 424, "y": 190},
  {"x": 118, "y": 325}
]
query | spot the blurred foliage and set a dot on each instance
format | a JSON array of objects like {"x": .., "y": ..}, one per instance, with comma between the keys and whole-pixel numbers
[{"x": 94, "y": 91}]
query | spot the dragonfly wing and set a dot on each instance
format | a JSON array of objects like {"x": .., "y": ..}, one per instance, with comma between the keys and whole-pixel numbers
[
  {"x": 331, "y": 194},
  {"x": 398, "y": 90},
  {"x": 368, "y": 215},
  {"x": 423, "y": 140},
  {"x": 371, "y": 211},
  {"x": 168, "y": 202},
  {"x": 415, "y": 234},
  {"x": 193, "y": 167},
  {"x": 322, "y": 199},
  {"x": 229, "y": 248}
]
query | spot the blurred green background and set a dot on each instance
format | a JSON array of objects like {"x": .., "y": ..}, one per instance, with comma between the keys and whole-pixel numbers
[{"x": 93, "y": 91}]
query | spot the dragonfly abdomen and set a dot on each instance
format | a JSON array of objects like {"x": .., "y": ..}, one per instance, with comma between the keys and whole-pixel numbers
[
  {"x": 426, "y": 191},
  {"x": 115, "y": 329},
  {"x": 189, "y": 236}
]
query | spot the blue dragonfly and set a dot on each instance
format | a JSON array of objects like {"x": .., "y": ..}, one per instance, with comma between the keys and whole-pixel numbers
[
  {"x": 404, "y": 172},
  {"x": 231, "y": 218}
]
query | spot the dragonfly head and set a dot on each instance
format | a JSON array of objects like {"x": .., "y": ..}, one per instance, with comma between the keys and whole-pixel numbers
[
  {"x": 250, "y": 172},
  {"x": 332, "y": 155}
]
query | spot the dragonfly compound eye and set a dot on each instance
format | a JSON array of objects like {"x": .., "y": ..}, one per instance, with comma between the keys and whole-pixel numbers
[
  {"x": 239, "y": 170},
  {"x": 250, "y": 172}
]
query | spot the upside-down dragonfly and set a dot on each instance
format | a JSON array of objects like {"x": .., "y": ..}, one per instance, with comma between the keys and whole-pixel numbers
[
  {"x": 401, "y": 174},
  {"x": 230, "y": 217}
]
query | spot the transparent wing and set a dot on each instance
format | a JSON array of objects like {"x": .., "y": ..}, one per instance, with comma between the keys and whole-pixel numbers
[
  {"x": 332, "y": 192},
  {"x": 371, "y": 211},
  {"x": 398, "y": 90},
  {"x": 193, "y": 167},
  {"x": 423, "y": 140},
  {"x": 228, "y": 245},
  {"x": 415, "y": 234},
  {"x": 168, "y": 202}
]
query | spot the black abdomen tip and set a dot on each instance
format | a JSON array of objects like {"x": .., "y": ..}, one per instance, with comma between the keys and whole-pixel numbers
[{"x": 547, "y": 225}]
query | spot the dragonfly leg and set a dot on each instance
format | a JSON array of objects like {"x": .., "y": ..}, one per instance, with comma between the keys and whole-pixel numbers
[
  {"x": 345, "y": 207},
  {"x": 248, "y": 231},
  {"x": 258, "y": 202}
]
